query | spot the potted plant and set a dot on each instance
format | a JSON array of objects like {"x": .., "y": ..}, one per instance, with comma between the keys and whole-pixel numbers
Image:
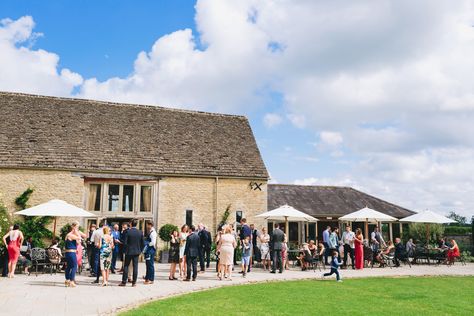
[{"x": 165, "y": 235}]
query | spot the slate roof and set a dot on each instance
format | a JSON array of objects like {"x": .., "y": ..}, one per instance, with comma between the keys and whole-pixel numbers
[
  {"x": 329, "y": 201},
  {"x": 86, "y": 135}
]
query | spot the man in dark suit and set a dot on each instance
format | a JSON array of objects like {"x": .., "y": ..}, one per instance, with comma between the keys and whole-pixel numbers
[
  {"x": 278, "y": 237},
  {"x": 90, "y": 250},
  {"x": 134, "y": 244},
  {"x": 193, "y": 244},
  {"x": 123, "y": 236},
  {"x": 206, "y": 241}
]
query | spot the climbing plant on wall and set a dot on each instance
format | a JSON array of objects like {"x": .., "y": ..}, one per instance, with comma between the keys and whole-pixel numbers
[
  {"x": 22, "y": 200},
  {"x": 33, "y": 226},
  {"x": 225, "y": 216},
  {"x": 5, "y": 222}
]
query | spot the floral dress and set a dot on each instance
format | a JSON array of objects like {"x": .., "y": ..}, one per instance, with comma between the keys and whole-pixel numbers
[{"x": 105, "y": 255}]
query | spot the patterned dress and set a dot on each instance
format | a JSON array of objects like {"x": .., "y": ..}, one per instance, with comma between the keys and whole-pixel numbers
[{"x": 105, "y": 255}]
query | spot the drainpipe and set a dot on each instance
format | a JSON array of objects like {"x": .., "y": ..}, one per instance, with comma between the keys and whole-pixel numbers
[{"x": 216, "y": 200}]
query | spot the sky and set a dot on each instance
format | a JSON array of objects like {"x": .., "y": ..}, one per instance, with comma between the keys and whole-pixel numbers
[{"x": 376, "y": 95}]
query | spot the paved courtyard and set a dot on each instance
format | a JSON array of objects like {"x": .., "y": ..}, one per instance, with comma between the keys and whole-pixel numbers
[{"x": 46, "y": 294}]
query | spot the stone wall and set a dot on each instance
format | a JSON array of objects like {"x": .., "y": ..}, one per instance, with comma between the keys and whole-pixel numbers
[
  {"x": 47, "y": 185},
  {"x": 206, "y": 197},
  {"x": 201, "y": 195}
]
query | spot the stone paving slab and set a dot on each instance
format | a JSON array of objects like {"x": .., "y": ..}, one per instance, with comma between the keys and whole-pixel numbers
[{"x": 45, "y": 294}]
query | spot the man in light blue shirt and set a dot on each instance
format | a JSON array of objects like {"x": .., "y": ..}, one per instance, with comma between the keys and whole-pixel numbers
[
  {"x": 326, "y": 234},
  {"x": 116, "y": 239}
]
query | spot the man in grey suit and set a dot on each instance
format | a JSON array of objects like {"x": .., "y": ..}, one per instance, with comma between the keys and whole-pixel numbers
[
  {"x": 192, "y": 250},
  {"x": 278, "y": 237}
]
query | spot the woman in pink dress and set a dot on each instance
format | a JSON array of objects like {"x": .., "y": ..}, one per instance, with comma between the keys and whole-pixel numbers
[
  {"x": 82, "y": 236},
  {"x": 453, "y": 252},
  {"x": 359, "y": 250},
  {"x": 13, "y": 247}
]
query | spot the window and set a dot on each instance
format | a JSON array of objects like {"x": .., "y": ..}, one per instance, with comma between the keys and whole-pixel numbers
[
  {"x": 114, "y": 195},
  {"x": 189, "y": 217},
  {"x": 95, "y": 193},
  {"x": 127, "y": 198},
  {"x": 145, "y": 198},
  {"x": 238, "y": 218}
]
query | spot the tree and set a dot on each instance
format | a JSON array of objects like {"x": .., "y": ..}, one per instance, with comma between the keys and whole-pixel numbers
[
  {"x": 417, "y": 231},
  {"x": 166, "y": 231},
  {"x": 458, "y": 218},
  {"x": 5, "y": 222}
]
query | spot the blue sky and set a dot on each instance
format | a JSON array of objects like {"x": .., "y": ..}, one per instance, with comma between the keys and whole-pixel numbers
[
  {"x": 101, "y": 38},
  {"x": 371, "y": 95}
]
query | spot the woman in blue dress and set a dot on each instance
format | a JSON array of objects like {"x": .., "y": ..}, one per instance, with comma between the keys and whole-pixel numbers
[{"x": 71, "y": 259}]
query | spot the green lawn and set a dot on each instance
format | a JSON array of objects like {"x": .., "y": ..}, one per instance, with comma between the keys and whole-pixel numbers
[{"x": 370, "y": 296}]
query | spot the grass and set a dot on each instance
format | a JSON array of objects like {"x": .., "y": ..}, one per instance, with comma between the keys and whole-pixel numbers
[{"x": 376, "y": 296}]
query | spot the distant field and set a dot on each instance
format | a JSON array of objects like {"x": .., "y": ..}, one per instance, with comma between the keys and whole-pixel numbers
[{"x": 370, "y": 296}]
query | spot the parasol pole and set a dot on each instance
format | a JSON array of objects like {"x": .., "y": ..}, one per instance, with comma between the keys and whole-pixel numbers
[
  {"x": 54, "y": 227},
  {"x": 366, "y": 228},
  {"x": 287, "y": 227},
  {"x": 307, "y": 231},
  {"x": 427, "y": 234}
]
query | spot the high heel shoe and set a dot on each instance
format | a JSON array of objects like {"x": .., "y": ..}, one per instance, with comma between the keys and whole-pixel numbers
[
  {"x": 67, "y": 283},
  {"x": 72, "y": 284}
]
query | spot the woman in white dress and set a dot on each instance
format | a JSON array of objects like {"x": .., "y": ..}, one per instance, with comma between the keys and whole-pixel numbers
[
  {"x": 265, "y": 249},
  {"x": 226, "y": 246},
  {"x": 183, "y": 235}
]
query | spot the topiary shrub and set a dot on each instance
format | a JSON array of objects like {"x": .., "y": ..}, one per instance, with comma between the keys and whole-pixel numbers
[{"x": 166, "y": 231}]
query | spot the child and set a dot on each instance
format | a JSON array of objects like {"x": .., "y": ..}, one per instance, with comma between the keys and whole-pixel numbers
[
  {"x": 334, "y": 267},
  {"x": 246, "y": 251}
]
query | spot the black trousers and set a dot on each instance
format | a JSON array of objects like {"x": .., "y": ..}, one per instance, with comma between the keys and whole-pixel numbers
[
  {"x": 277, "y": 263},
  {"x": 235, "y": 256},
  {"x": 204, "y": 258},
  {"x": 326, "y": 252},
  {"x": 97, "y": 269},
  {"x": 133, "y": 259},
  {"x": 191, "y": 262},
  {"x": 90, "y": 257},
  {"x": 348, "y": 251},
  {"x": 5, "y": 264}
]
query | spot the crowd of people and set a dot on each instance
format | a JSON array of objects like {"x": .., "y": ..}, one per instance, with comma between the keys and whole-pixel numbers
[{"x": 192, "y": 245}]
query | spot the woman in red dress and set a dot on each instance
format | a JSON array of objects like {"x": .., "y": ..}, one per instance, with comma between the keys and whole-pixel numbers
[
  {"x": 359, "y": 249},
  {"x": 13, "y": 247},
  {"x": 453, "y": 252}
]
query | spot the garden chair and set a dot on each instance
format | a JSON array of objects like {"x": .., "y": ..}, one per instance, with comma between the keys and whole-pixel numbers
[
  {"x": 39, "y": 258},
  {"x": 54, "y": 259},
  {"x": 368, "y": 257}
]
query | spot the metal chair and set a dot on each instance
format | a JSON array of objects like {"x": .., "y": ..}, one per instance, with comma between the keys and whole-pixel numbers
[{"x": 39, "y": 258}]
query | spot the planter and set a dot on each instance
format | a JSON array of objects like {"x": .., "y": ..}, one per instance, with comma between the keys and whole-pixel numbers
[{"x": 164, "y": 256}]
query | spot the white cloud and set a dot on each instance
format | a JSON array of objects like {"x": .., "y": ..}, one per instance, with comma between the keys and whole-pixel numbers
[
  {"x": 307, "y": 181},
  {"x": 297, "y": 120},
  {"x": 331, "y": 138},
  {"x": 24, "y": 69},
  {"x": 272, "y": 119}
]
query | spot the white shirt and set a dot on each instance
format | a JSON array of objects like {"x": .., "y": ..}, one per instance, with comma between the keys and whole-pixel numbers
[
  {"x": 153, "y": 238},
  {"x": 348, "y": 238},
  {"x": 97, "y": 236}
]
